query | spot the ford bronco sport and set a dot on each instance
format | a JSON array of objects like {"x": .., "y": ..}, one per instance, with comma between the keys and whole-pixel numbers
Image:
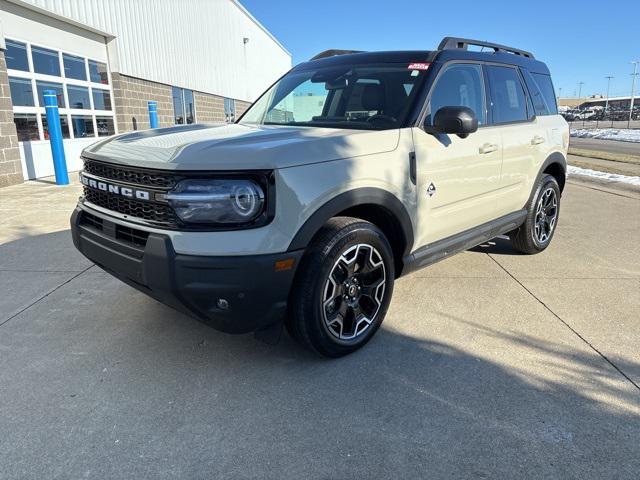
[{"x": 352, "y": 170}]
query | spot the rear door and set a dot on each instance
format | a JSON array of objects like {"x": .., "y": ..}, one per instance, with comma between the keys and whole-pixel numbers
[{"x": 523, "y": 138}]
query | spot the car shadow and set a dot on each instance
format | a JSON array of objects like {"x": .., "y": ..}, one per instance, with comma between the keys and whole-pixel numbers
[{"x": 97, "y": 365}]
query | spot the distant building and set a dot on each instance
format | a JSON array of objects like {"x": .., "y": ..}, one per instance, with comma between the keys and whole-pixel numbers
[
  {"x": 615, "y": 103},
  {"x": 201, "y": 61}
]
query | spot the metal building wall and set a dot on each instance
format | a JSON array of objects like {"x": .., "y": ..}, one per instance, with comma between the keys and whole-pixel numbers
[{"x": 196, "y": 44}]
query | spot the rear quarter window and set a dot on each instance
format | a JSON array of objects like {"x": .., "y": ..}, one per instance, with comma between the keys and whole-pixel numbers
[{"x": 541, "y": 90}]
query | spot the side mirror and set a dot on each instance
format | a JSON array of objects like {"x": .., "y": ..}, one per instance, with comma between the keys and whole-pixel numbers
[{"x": 459, "y": 121}]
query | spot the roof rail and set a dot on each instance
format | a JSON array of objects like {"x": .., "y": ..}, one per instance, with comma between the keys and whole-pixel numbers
[
  {"x": 452, "y": 43},
  {"x": 333, "y": 53}
]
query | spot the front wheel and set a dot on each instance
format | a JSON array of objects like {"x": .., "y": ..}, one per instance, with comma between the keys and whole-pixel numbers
[
  {"x": 343, "y": 288},
  {"x": 543, "y": 212}
]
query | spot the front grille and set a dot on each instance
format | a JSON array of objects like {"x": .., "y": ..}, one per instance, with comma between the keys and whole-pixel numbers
[
  {"x": 152, "y": 212},
  {"x": 91, "y": 221},
  {"x": 130, "y": 175},
  {"x": 132, "y": 235}
]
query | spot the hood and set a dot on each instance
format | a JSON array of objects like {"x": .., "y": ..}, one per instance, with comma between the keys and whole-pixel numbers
[{"x": 239, "y": 147}]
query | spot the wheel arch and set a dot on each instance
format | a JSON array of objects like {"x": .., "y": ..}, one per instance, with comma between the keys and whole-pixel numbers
[
  {"x": 555, "y": 165},
  {"x": 374, "y": 205}
]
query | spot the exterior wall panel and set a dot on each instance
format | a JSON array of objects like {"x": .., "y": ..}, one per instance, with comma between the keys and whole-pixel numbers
[
  {"x": 10, "y": 166},
  {"x": 195, "y": 44}
]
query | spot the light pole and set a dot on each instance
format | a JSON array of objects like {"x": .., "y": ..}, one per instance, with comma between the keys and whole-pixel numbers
[
  {"x": 580, "y": 90},
  {"x": 633, "y": 88},
  {"x": 606, "y": 105}
]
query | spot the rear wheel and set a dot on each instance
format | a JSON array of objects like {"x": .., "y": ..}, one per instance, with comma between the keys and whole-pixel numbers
[
  {"x": 542, "y": 218},
  {"x": 343, "y": 288}
]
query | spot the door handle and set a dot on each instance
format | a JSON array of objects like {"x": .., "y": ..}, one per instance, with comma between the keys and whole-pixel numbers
[
  {"x": 488, "y": 148},
  {"x": 537, "y": 140}
]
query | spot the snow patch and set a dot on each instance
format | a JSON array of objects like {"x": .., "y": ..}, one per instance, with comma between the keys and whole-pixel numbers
[
  {"x": 620, "y": 134},
  {"x": 612, "y": 177}
]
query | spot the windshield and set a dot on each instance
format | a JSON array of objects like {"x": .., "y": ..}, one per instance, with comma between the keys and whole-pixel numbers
[{"x": 375, "y": 97}]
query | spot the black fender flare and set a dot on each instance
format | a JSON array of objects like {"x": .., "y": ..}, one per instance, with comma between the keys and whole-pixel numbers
[
  {"x": 354, "y": 198},
  {"x": 555, "y": 157}
]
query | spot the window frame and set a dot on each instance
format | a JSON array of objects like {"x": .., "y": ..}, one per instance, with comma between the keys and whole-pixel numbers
[
  {"x": 424, "y": 109},
  {"x": 485, "y": 94},
  {"x": 183, "y": 103},
  {"x": 530, "y": 114},
  {"x": 33, "y": 77}
]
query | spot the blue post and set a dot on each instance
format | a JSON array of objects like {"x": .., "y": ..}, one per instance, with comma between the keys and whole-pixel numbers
[
  {"x": 55, "y": 137},
  {"x": 153, "y": 114}
]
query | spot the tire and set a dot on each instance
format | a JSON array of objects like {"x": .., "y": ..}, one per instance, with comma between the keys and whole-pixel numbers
[
  {"x": 342, "y": 289},
  {"x": 543, "y": 212}
]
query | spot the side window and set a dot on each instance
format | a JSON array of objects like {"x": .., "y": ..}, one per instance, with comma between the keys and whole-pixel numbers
[
  {"x": 460, "y": 85},
  {"x": 508, "y": 100},
  {"x": 549, "y": 94}
]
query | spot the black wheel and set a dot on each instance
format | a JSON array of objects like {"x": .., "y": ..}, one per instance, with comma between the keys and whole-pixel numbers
[
  {"x": 542, "y": 218},
  {"x": 343, "y": 287}
]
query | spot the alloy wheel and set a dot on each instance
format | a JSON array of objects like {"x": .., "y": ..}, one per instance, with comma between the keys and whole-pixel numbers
[
  {"x": 354, "y": 291},
  {"x": 546, "y": 216}
]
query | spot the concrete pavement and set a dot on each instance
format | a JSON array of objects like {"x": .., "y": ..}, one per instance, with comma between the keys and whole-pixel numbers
[{"x": 489, "y": 365}]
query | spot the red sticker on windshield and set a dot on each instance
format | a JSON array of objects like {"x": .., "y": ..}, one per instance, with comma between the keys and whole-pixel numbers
[{"x": 419, "y": 66}]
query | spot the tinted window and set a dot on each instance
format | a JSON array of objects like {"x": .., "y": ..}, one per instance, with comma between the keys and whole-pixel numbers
[
  {"x": 64, "y": 125},
  {"x": 105, "y": 126},
  {"x": 56, "y": 87},
  {"x": 549, "y": 94},
  {"x": 101, "y": 99},
  {"x": 16, "y": 56},
  {"x": 82, "y": 126},
  {"x": 78, "y": 97},
  {"x": 21, "y": 92},
  {"x": 98, "y": 72},
  {"x": 539, "y": 103},
  {"x": 189, "y": 105},
  {"x": 360, "y": 96},
  {"x": 460, "y": 86},
  {"x": 45, "y": 61},
  {"x": 27, "y": 126},
  {"x": 178, "y": 106},
  {"x": 74, "y": 67},
  {"x": 508, "y": 100}
]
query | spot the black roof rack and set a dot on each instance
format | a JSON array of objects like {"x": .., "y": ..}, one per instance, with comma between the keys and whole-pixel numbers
[
  {"x": 452, "y": 43},
  {"x": 333, "y": 53}
]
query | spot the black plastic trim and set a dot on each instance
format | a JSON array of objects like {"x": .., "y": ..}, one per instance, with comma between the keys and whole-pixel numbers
[
  {"x": 255, "y": 291},
  {"x": 354, "y": 198},
  {"x": 556, "y": 158},
  {"x": 430, "y": 254}
]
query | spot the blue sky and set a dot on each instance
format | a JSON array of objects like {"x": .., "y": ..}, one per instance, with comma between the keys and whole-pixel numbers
[{"x": 579, "y": 41}]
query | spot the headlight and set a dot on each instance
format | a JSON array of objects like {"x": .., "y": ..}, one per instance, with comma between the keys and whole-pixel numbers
[{"x": 222, "y": 201}]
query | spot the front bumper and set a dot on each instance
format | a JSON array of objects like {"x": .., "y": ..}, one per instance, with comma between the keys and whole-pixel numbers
[{"x": 253, "y": 291}]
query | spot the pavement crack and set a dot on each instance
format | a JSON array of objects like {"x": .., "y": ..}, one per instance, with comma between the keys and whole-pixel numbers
[
  {"x": 575, "y": 332},
  {"x": 44, "y": 296}
]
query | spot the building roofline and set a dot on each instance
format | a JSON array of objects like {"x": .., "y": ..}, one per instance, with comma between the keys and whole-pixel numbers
[
  {"x": 62, "y": 18},
  {"x": 259, "y": 25}
]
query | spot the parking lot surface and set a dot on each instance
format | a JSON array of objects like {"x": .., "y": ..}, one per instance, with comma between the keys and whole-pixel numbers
[{"x": 489, "y": 365}]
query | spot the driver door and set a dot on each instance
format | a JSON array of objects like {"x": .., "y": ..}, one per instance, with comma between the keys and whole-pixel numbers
[{"x": 457, "y": 178}]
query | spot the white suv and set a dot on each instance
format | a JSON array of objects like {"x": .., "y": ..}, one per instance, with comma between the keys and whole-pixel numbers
[{"x": 350, "y": 171}]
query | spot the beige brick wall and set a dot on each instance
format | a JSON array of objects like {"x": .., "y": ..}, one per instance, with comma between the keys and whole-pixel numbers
[
  {"x": 10, "y": 166},
  {"x": 209, "y": 108},
  {"x": 130, "y": 97},
  {"x": 241, "y": 107}
]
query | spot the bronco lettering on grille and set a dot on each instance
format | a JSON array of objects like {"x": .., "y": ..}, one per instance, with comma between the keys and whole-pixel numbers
[{"x": 115, "y": 189}]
